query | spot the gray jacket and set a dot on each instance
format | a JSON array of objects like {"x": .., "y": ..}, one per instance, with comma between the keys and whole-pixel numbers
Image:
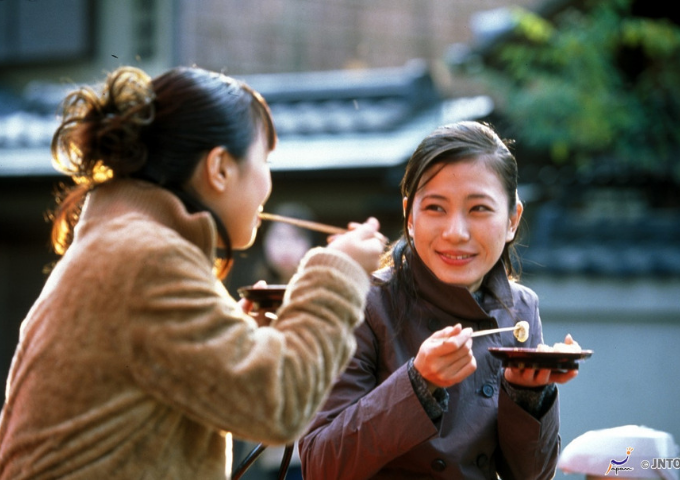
[{"x": 373, "y": 424}]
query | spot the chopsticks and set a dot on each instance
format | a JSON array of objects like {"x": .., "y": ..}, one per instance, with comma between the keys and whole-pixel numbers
[
  {"x": 520, "y": 331},
  {"x": 479, "y": 333},
  {"x": 309, "y": 225}
]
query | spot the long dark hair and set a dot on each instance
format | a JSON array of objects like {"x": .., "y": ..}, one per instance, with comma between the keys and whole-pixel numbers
[
  {"x": 462, "y": 141},
  {"x": 155, "y": 129}
]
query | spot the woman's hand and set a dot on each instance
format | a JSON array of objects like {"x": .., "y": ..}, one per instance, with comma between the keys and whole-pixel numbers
[
  {"x": 247, "y": 307},
  {"x": 363, "y": 242},
  {"x": 446, "y": 358},
  {"x": 532, "y": 377}
]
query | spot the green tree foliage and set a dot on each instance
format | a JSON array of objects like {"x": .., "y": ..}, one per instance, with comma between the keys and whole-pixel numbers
[{"x": 591, "y": 82}]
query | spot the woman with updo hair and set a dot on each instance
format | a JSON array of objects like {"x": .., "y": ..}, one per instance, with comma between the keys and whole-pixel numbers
[{"x": 134, "y": 362}]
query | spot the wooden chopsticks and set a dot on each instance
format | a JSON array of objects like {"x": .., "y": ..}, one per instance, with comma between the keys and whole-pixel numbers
[
  {"x": 309, "y": 225},
  {"x": 480, "y": 333}
]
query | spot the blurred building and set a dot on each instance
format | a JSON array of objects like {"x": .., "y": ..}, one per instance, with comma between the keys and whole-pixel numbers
[
  {"x": 272, "y": 36},
  {"x": 353, "y": 87}
]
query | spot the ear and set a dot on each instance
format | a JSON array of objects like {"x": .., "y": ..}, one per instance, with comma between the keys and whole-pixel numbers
[
  {"x": 219, "y": 168},
  {"x": 513, "y": 222}
]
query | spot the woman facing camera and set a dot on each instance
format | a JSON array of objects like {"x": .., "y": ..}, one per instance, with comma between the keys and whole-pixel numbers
[{"x": 421, "y": 398}]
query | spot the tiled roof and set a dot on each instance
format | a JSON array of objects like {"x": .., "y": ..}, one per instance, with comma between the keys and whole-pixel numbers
[
  {"x": 26, "y": 129},
  {"x": 325, "y": 120},
  {"x": 376, "y": 118},
  {"x": 566, "y": 240},
  {"x": 357, "y": 118}
]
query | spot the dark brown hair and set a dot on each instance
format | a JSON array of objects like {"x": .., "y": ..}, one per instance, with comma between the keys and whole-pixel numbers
[
  {"x": 155, "y": 129},
  {"x": 463, "y": 141}
]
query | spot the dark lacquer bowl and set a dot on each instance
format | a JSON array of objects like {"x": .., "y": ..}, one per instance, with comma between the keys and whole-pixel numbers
[
  {"x": 266, "y": 297},
  {"x": 531, "y": 358}
]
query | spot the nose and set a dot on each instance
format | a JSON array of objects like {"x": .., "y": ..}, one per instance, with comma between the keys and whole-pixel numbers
[{"x": 457, "y": 230}]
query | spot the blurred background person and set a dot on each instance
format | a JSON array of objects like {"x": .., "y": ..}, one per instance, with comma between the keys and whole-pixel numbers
[{"x": 284, "y": 245}]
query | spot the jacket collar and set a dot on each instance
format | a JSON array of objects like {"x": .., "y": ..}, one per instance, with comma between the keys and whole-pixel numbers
[{"x": 458, "y": 301}]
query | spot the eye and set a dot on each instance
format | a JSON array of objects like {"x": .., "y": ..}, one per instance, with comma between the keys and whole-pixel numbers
[
  {"x": 481, "y": 208},
  {"x": 433, "y": 207}
]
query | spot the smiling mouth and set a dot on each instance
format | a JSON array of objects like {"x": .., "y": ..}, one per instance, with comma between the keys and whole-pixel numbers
[{"x": 457, "y": 257}]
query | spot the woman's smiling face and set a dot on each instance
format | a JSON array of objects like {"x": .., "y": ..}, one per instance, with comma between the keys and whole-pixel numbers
[{"x": 460, "y": 221}]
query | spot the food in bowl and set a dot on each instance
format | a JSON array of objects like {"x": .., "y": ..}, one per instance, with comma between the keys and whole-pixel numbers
[{"x": 568, "y": 346}]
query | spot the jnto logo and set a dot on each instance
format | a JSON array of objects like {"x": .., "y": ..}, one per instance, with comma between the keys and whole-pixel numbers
[{"x": 616, "y": 465}]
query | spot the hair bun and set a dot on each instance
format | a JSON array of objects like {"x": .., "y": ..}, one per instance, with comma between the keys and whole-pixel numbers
[{"x": 105, "y": 130}]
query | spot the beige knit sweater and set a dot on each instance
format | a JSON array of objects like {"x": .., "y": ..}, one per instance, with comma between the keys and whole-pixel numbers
[{"x": 134, "y": 361}]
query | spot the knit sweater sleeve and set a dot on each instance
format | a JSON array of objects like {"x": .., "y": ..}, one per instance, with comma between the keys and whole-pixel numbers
[{"x": 193, "y": 348}]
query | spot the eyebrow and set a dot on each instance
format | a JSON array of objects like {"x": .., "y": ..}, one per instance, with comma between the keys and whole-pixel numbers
[
  {"x": 434, "y": 196},
  {"x": 480, "y": 196},
  {"x": 472, "y": 196}
]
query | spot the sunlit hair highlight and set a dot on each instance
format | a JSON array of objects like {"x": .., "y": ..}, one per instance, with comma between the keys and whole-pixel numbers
[{"x": 152, "y": 129}]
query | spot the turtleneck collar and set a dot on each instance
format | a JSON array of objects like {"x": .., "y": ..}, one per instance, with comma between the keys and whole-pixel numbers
[
  {"x": 124, "y": 196},
  {"x": 458, "y": 301}
]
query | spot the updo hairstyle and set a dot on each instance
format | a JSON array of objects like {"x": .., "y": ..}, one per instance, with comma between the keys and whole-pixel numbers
[{"x": 153, "y": 129}]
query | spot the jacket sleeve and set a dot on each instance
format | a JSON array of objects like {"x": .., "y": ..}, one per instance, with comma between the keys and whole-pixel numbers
[
  {"x": 192, "y": 347},
  {"x": 355, "y": 434},
  {"x": 529, "y": 447}
]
